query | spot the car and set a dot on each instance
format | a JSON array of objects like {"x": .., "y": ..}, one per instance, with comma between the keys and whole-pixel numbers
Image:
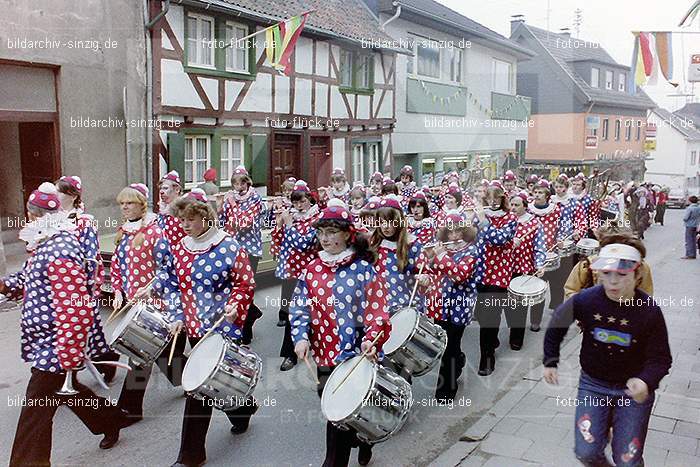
[{"x": 677, "y": 198}]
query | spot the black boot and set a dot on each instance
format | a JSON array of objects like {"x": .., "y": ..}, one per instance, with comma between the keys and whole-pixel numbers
[
  {"x": 365, "y": 454},
  {"x": 487, "y": 364},
  {"x": 241, "y": 420}
]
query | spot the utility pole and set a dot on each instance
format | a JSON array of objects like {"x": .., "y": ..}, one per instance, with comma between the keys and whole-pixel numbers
[{"x": 578, "y": 20}]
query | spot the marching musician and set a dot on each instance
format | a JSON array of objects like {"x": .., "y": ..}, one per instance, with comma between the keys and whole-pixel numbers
[
  {"x": 497, "y": 226},
  {"x": 583, "y": 211},
  {"x": 295, "y": 236},
  {"x": 397, "y": 252},
  {"x": 69, "y": 190},
  {"x": 340, "y": 188},
  {"x": 530, "y": 183},
  {"x": 209, "y": 276},
  {"x": 358, "y": 198},
  {"x": 375, "y": 184},
  {"x": 169, "y": 189},
  {"x": 510, "y": 183},
  {"x": 241, "y": 216},
  {"x": 339, "y": 309},
  {"x": 567, "y": 207},
  {"x": 389, "y": 187},
  {"x": 529, "y": 255},
  {"x": 451, "y": 294},
  {"x": 141, "y": 249},
  {"x": 452, "y": 203},
  {"x": 407, "y": 187},
  {"x": 275, "y": 206},
  {"x": 420, "y": 224},
  {"x": 56, "y": 321},
  {"x": 368, "y": 217}
]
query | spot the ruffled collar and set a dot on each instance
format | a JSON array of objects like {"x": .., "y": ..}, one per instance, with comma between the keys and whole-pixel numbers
[
  {"x": 497, "y": 213},
  {"x": 339, "y": 259},
  {"x": 344, "y": 191},
  {"x": 45, "y": 227},
  {"x": 561, "y": 199},
  {"x": 542, "y": 211},
  {"x": 312, "y": 211},
  {"x": 578, "y": 196},
  {"x": 389, "y": 245},
  {"x": 242, "y": 197},
  {"x": 204, "y": 242},
  {"x": 525, "y": 218},
  {"x": 134, "y": 226}
]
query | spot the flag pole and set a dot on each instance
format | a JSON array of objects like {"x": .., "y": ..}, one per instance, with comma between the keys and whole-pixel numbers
[{"x": 269, "y": 27}]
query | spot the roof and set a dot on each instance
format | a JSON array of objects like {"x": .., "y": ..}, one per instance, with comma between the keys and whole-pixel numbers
[
  {"x": 439, "y": 12},
  {"x": 345, "y": 19},
  {"x": 690, "y": 111},
  {"x": 565, "y": 57},
  {"x": 679, "y": 122}
]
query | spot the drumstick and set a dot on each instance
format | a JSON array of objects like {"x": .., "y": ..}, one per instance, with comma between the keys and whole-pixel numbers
[
  {"x": 172, "y": 347},
  {"x": 311, "y": 370},
  {"x": 415, "y": 286},
  {"x": 116, "y": 313},
  {"x": 216, "y": 325},
  {"x": 364, "y": 354}
]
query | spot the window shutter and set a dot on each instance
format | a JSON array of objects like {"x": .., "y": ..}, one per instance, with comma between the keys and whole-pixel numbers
[{"x": 176, "y": 153}]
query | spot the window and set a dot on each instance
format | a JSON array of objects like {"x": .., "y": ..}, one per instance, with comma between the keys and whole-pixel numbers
[
  {"x": 356, "y": 72},
  {"x": 197, "y": 157},
  {"x": 628, "y": 130},
  {"x": 374, "y": 160},
  {"x": 231, "y": 157},
  {"x": 693, "y": 157},
  {"x": 618, "y": 124},
  {"x": 200, "y": 34},
  {"x": 345, "y": 68},
  {"x": 358, "y": 157},
  {"x": 621, "y": 82},
  {"x": 608, "y": 80},
  {"x": 236, "y": 52},
  {"x": 595, "y": 77},
  {"x": 426, "y": 54},
  {"x": 502, "y": 76},
  {"x": 639, "y": 129},
  {"x": 364, "y": 72},
  {"x": 605, "y": 129},
  {"x": 455, "y": 56}
]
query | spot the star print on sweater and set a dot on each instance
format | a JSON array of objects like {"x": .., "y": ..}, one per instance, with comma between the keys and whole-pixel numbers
[
  {"x": 133, "y": 265},
  {"x": 205, "y": 275},
  {"x": 297, "y": 245},
  {"x": 337, "y": 305},
  {"x": 399, "y": 281},
  {"x": 530, "y": 255},
  {"x": 549, "y": 219},
  {"x": 57, "y": 312},
  {"x": 494, "y": 241},
  {"x": 451, "y": 295},
  {"x": 242, "y": 216},
  {"x": 171, "y": 228}
]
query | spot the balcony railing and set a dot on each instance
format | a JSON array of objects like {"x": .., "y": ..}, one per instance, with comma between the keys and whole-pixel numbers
[{"x": 510, "y": 107}]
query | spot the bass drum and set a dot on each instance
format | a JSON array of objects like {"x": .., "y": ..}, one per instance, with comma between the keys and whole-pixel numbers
[{"x": 374, "y": 400}]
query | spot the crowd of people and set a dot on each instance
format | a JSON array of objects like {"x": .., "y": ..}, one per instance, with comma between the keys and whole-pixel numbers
[{"x": 349, "y": 258}]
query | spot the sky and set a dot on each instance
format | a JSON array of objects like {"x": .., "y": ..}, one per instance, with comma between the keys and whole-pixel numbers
[{"x": 608, "y": 22}]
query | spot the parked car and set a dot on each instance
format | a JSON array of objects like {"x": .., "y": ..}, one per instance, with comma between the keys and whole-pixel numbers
[{"x": 677, "y": 198}]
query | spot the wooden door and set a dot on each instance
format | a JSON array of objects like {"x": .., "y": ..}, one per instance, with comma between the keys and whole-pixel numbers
[
  {"x": 38, "y": 156},
  {"x": 320, "y": 161},
  {"x": 285, "y": 161}
]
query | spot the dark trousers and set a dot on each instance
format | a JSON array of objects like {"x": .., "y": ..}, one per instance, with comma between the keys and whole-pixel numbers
[
  {"x": 557, "y": 279},
  {"x": 517, "y": 319},
  {"x": 288, "y": 286},
  {"x": 491, "y": 300},
  {"x": 136, "y": 381},
  {"x": 32, "y": 445},
  {"x": 287, "y": 349},
  {"x": 254, "y": 313},
  {"x": 660, "y": 212},
  {"x": 452, "y": 362},
  {"x": 339, "y": 442},
  {"x": 195, "y": 424}
]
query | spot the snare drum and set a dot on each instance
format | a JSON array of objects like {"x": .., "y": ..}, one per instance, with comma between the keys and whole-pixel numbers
[
  {"x": 568, "y": 248},
  {"x": 374, "y": 400},
  {"x": 528, "y": 290},
  {"x": 587, "y": 246},
  {"x": 552, "y": 261},
  {"x": 415, "y": 344},
  {"x": 221, "y": 371},
  {"x": 142, "y": 334}
]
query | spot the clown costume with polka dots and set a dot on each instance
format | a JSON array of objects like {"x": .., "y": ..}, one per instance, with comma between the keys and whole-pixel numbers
[
  {"x": 420, "y": 223},
  {"x": 397, "y": 253},
  {"x": 582, "y": 212},
  {"x": 210, "y": 277},
  {"x": 567, "y": 207},
  {"x": 339, "y": 307},
  {"x": 170, "y": 188},
  {"x": 56, "y": 319}
]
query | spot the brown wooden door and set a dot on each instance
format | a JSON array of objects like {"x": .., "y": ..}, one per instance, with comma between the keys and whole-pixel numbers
[
  {"x": 285, "y": 161},
  {"x": 38, "y": 157},
  {"x": 320, "y": 161}
]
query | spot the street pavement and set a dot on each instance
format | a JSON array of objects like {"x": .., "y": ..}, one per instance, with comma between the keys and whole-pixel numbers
[{"x": 512, "y": 412}]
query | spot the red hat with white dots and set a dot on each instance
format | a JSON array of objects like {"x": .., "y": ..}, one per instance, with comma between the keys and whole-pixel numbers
[
  {"x": 532, "y": 178},
  {"x": 335, "y": 212},
  {"x": 391, "y": 202},
  {"x": 172, "y": 176},
  {"x": 300, "y": 185},
  {"x": 522, "y": 195},
  {"x": 542, "y": 183},
  {"x": 197, "y": 194},
  {"x": 453, "y": 189},
  {"x": 74, "y": 181},
  {"x": 141, "y": 188},
  {"x": 45, "y": 197},
  {"x": 240, "y": 170},
  {"x": 509, "y": 176},
  {"x": 406, "y": 170}
]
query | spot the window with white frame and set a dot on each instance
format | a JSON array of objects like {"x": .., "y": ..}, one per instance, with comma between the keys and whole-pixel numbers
[
  {"x": 231, "y": 157},
  {"x": 374, "y": 159},
  {"x": 236, "y": 50},
  {"x": 427, "y": 57},
  {"x": 618, "y": 124},
  {"x": 455, "y": 56},
  {"x": 595, "y": 77},
  {"x": 606, "y": 124},
  {"x": 197, "y": 159},
  {"x": 345, "y": 68},
  {"x": 364, "y": 72},
  {"x": 608, "y": 80},
  {"x": 628, "y": 129},
  {"x": 621, "y": 82},
  {"x": 639, "y": 129},
  {"x": 200, "y": 36},
  {"x": 502, "y": 76},
  {"x": 358, "y": 158},
  {"x": 693, "y": 157}
]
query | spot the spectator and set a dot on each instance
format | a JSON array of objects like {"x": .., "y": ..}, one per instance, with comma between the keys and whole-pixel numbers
[
  {"x": 661, "y": 199},
  {"x": 692, "y": 220},
  {"x": 210, "y": 187}
]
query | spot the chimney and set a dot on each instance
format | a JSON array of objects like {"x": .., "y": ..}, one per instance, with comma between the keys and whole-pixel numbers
[{"x": 515, "y": 21}]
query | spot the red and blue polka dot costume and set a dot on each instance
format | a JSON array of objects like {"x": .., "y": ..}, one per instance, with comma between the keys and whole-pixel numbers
[
  {"x": 582, "y": 212},
  {"x": 171, "y": 228},
  {"x": 424, "y": 230},
  {"x": 242, "y": 216},
  {"x": 494, "y": 240},
  {"x": 297, "y": 245},
  {"x": 337, "y": 304},
  {"x": 133, "y": 266},
  {"x": 567, "y": 207},
  {"x": 451, "y": 295},
  {"x": 549, "y": 220},
  {"x": 530, "y": 255},
  {"x": 399, "y": 281},
  {"x": 205, "y": 275},
  {"x": 57, "y": 312}
]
